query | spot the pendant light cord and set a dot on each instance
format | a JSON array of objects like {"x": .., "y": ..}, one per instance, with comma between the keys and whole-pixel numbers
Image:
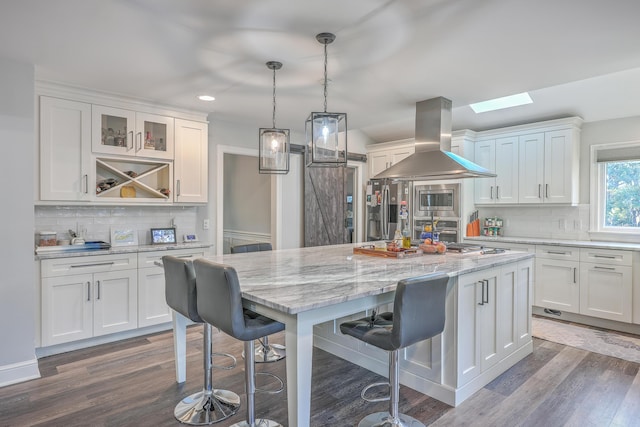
[
  {"x": 325, "y": 77},
  {"x": 274, "y": 98}
]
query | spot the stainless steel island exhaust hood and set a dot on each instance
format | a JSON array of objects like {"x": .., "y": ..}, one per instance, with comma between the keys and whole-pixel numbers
[{"x": 433, "y": 158}]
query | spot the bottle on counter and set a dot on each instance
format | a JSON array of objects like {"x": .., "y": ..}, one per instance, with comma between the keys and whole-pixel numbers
[{"x": 406, "y": 235}]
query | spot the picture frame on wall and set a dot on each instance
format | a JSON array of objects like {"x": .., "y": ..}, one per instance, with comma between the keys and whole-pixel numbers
[{"x": 124, "y": 237}]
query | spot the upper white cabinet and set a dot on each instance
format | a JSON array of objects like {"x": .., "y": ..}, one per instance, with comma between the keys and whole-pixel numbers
[
  {"x": 190, "y": 164},
  {"x": 549, "y": 167},
  {"x": 383, "y": 156},
  {"x": 65, "y": 150},
  {"x": 501, "y": 156},
  {"x": 130, "y": 133}
]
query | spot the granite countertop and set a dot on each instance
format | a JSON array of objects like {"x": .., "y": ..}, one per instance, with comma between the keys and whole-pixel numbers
[
  {"x": 122, "y": 250},
  {"x": 558, "y": 242},
  {"x": 296, "y": 280}
]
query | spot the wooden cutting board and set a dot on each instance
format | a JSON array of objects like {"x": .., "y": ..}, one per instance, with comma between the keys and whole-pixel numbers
[{"x": 405, "y": 253}]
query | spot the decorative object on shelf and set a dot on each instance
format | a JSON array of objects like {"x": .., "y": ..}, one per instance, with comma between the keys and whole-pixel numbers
[
  {"x": 124, "y": 237},
  {"x": 128, "y": 191},
  {"x": 161, "y": 236},
  {"x": 274, "y": 142},
  {"x": 165, "y": 191},
  {"x": 326, "y": 133}
]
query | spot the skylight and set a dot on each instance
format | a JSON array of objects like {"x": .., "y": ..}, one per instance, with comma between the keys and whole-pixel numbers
[{"x": 500, "y": 103}]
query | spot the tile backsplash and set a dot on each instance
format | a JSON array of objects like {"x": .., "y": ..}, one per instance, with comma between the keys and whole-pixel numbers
[
  {"x": 98, "y": 220},
  {"x": 555, "y": 222}
]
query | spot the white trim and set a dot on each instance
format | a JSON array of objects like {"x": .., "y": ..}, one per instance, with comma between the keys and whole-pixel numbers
[
  {"x": 19, "y": 372},
  {"x": 276, "y": 196},
  {"x": 358, "y": 199}
]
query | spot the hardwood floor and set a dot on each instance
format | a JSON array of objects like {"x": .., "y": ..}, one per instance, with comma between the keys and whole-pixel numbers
[{"x": 132, "y": 383}]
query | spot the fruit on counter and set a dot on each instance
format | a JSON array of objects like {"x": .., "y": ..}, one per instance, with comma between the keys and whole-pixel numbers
[
  {"x": 438, "y": 248},
  {"x": 428, "y": 241},
  {"x": 441, "y": 247}
]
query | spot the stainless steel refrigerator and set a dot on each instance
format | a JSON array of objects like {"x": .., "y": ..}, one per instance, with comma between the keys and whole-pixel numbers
[{"x": 388, "y": 208}]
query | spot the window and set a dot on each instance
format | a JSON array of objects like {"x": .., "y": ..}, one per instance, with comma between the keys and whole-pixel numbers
[{"x": 615, "y": 192}]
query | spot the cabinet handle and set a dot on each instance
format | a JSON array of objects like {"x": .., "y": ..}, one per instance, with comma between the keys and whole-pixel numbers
[
  {"x": 556, "y": 253},
  {"x": 604, "y": 256},
  {"x": 139, "y": 141},
  {"x": 88, "y": 291},
  {"x": 86, "y": 183},
  {"x": 482, "y": 293},
  {"x": 178, "y": 189},
  {"x": 185, "y": 256},
  {"x": 497, "y": 192},
  {"x": 539, "y": 191},
  {"x": 131, "y": 132},
  {"x": 574, "y": 275},
  {"x": 98, "y": 285},
  {"x": 97, "y": 264},
  {"x": 491, "y": 192},
  {"x": 546, "y": 191},
  {"x": 603, "y": 268},
  {"x": 487, "y": 301}
]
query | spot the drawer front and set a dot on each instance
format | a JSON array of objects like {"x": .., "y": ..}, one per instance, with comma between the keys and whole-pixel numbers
[
  {"x": 88, "y": 264},
  {"x": 606, "y": 256},
  {"x": 148, "y": 259},
  {"x": 566, "y": 253}
]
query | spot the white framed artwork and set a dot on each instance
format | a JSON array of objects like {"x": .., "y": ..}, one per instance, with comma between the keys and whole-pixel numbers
[{"x": 124, "y": 237}]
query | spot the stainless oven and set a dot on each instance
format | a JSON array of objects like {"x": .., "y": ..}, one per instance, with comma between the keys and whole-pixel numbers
[{"x": 441, "y": 203}]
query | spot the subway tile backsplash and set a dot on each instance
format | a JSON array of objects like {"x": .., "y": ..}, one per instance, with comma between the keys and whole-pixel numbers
[
  {"x": 98, "y": 220},
  {"x": 554, "y": 222}
]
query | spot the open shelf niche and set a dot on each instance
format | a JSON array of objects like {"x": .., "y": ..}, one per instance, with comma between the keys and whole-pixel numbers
[{"x": 132, "y": 180}]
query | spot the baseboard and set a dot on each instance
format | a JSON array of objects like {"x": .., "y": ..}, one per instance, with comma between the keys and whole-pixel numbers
[
  {"x": 629, "y": 328},
  {"x": 19, "y": 372}
]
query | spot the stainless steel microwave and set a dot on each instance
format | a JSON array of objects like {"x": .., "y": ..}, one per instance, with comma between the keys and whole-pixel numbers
[{"x": 441, "y": 200}]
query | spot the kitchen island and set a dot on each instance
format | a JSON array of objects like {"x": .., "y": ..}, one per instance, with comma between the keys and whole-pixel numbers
[{"x": 311, "y": 290}]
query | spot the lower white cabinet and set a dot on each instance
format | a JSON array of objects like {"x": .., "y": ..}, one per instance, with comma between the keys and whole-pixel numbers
[
  {"x": 606, "y": 291},
  {"x": 152, "y": 304},
  {"x": 494, "y": 317},
  {"x": 78, "y": 306}
]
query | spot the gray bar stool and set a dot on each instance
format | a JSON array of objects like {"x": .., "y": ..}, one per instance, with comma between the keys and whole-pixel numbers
[
  {"x": 265, "y": 352},
  {"x": 207, "y": 406},
  {"x": 220, "y": 304},
  {"x": 418, "y": 314}
]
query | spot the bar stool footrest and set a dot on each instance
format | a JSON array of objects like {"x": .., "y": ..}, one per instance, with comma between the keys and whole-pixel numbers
[
  {"x": 234, "y": 362},
  {"x": 267, "y": 391},
  {"x": 377, "y": 399}
]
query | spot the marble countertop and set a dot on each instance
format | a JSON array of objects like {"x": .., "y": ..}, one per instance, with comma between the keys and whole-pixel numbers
[
  {"x": 297, "y": 280},
  {"x": 122, "y": 250},
  {"x": 557, "y": 242}
]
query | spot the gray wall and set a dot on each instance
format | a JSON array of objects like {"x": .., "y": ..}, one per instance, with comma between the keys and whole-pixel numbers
[
  {"x": 17, "y": 285},
  {"x": 247, "y": 195}
]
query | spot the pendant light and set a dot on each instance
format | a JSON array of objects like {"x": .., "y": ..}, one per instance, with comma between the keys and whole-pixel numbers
[
  {"x": 274, "y": 142},
  {"x": 326, "y": 133}
]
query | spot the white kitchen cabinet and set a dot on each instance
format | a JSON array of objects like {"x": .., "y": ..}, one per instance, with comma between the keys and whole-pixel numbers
[
  {"x": 501, "y": 156},
  {"x": 190, "y": 163},
  {"x": 130, "y": 133},
  {"x": 493, "y": 315},
  {"x": 606, "y": 286},
  {"x": 548, "y": 167},
  {"x": 383, "y": 156},
  {"x": 152, "y": 305},
  {"x": 558, "y": 278},
  {"x": 98, "y": 298},
  {"x": 65, "y": 162}
]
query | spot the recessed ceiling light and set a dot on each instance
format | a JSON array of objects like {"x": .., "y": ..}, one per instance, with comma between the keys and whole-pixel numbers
[
  {"x": 500, "y": 103},
  {"x": 206, "y": 98}
]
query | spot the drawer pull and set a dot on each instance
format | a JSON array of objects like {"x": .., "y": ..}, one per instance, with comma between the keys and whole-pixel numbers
[
  {"x": 556, "y": 253},
  {"x": 604, "y": 256},
  {"x": 185, "y": 256},
  {"x": 97, "y": 264},
  {"x": 98, "y": 284},
  {"x": 88, "y": 291},
  {"x": 604, "y": 268},
  {"x": 574, "y": 275}
]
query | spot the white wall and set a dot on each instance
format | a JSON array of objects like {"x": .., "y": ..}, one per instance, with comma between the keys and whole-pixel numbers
[{"x": 17, "y": 286}]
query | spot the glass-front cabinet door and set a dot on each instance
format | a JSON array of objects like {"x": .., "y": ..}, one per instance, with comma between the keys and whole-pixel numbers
[{"x": 125, "y": 132}]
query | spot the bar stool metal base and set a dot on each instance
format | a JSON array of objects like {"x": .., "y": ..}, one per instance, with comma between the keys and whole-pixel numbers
[
  {"x": 269, "y": 353},
  {"x": 204, "y": 408},
  {"x": 383, "y": 419}
]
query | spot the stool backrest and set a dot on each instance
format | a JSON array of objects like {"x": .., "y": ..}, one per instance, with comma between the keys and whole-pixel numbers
[
  {"x": 251, "y": 247},
  {"x": 418, "y": 309},
  {"x": 180, "y": 286},
  {"x": 219, "y": 297}
]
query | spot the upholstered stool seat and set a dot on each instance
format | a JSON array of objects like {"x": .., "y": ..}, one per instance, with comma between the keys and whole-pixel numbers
[
  {"x": 220, "y": 304},
  {"x": 265, "y": 352},
  {"x": 418, "y": 314},
  {"x": 209, "y": 405}
]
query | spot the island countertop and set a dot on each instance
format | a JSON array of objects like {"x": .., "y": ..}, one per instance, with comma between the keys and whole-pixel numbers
[{"x": 297, "y": 280}]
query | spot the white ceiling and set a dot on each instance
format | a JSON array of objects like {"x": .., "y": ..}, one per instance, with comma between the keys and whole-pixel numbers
[{"x": 576, "y": 57}]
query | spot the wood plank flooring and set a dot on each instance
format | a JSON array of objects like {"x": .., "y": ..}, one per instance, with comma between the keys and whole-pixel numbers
[{"x": 132, "y": 383}]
